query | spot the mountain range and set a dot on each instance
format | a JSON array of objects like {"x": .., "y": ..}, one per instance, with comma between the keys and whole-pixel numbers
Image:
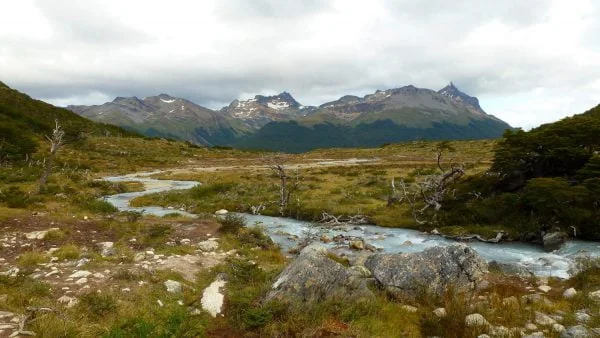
[{"x": 280, "y": 122}]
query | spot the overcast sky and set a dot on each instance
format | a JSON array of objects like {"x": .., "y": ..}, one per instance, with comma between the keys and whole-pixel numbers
[{"x": 528, "y": 61}]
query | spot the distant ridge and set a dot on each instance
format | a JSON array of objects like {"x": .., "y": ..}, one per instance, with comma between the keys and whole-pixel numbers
[{"x": 280, "y": 122}]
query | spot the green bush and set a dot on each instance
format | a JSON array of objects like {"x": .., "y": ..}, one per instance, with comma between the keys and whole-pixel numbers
[
  {"x": 69, "y": 251},
  {"x": 231, "y": 223},
  {"x": 97, "y": 304},
  {"x": 14, "y": 197},
  {"x": 205, "y": 190},
  {"x": 254, "y": 237},
  {"x": 97, "y": 206}
]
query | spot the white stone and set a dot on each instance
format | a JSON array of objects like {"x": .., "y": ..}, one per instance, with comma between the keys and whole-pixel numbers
[
  {"x": 39, "y": 234},
  {"x": 185, "y": 241},
  {"x": 173, "y": 286},
  {"x": 595, "y": 295},
  {"x": 475, "y": 319},
  {"x": 557, "y": 328},
  {"x": 80, "y": 274},
  {"x": 569, "y": 293},
  {"x": 208, "y": 246},
  {"x": 160, "y": 303},
  {"x": 212, "y": 298},
  {"x": 68, "y": 301},
  {"x": 582, "y": 317},
  {"x": 221, "y": 212},
  {"x": 81, "y": 281},
  {"x": 544, "y": 288},
  {"x": 125, "y": 290},
  {"x": 409, "y": 308},
  {"x": 543, "y": 319},
  {"x": 106, "y": 248},
  {"x": 440, "y": 312}
]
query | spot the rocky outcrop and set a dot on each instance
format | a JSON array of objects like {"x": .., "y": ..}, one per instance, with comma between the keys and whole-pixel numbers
[
  {"x": 433, "y": 270},
  {"x": 554, "y": 240},
  {"x": 313, "y": 276}
]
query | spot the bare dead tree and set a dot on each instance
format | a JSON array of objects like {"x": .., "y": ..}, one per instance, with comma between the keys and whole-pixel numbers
[
  {"x": 277, "y": 164},
  {"x": 329, "y": 219},
  {"x": 428, "y": 193},
  {"x": 56, "y": 141}
]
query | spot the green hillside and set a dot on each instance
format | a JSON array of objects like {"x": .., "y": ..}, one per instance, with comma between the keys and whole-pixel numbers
[{"x": 24, "y": 122}]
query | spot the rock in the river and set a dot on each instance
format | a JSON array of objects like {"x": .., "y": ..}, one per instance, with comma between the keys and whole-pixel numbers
[
  {"x": 357, "y": 244},
  {"x": 221, "y": 212},
  {"x": 106, "y": 248},
  {"x": 577, "y": 331},
  {"x": 313, "y": 276},
  {"x": 554, "y": 240},
  {"x": 173, "y": 286},
  {"x": 432, "y": 270}
]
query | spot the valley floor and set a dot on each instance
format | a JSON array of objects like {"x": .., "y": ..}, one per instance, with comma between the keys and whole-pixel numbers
[{"x": 72, "y": 266}]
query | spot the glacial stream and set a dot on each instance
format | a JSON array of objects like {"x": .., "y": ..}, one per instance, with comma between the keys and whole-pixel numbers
[{"x": 286, "y": 231}]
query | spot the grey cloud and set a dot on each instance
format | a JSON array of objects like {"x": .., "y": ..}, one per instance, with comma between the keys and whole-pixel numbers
[{"x": 274, "y": 45}]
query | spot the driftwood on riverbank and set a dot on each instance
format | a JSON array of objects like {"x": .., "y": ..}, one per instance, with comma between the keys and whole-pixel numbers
[{"x": 466, "y": 238}]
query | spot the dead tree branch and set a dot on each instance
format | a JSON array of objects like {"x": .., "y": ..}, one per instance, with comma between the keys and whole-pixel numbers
[{"x": 56, "y": 141}]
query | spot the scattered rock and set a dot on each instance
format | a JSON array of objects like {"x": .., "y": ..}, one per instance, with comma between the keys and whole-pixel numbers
[
  {"x": 582, "y": 317},
  {"x": 543, "y": 319},
  {"x": 535, "y": 335},
  {"x": 475, "y": 319},
  {"x": 409, "y": 308},
  {"x": 159, "y": 302},
  {"x": 569, "y": 293},
  {"x": 554, "y": 240},
  {"x": 208, "y": 246},
  {"x": 185, "y": 241},
  {"x": 80, "y": 274},
  {"x": 173, "y": 286},
  {"x": 221, "y": 212},
  {"x": 39, "y": 234},
  {"x": 106, "y": 248},
  {"x": 325, "y": 239},
  {"x": 81, "y": 281},
  {"x": 544, "y": 288},
  {"x": 212, "y": 298},
  {"x": 440, "y": 312},
  {"x": 594, "y": 295},
  {"x": 511, "y": 302},
  {"x": 577, "y": 331},
  {"x": 432, "y": 270},
  {"x": 357, "y": 244},
  {"x": 557, "y": 328},
  {"x": 68, "y": 301},
  {"x": 313, "y": 276},
  {"x": 125, "y": 290}
]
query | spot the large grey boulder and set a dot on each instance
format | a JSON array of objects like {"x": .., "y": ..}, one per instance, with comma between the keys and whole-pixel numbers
[
  {"x": 554, "y": 240},
  {"x": 433, "y": 270},
  {"x": 313, "y": 276}
]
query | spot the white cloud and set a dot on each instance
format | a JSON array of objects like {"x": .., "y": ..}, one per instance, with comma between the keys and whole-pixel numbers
[{"x": 528, "y": 61}]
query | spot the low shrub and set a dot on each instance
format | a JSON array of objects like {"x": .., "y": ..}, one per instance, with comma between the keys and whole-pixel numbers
[
  {"x": 67, "y": 252},
  {"x": 97, "y": 304},
  {"x": 32, "y": 258},
  {"x": 231, "y": 223},
  {"x": 14, "y": 197}
]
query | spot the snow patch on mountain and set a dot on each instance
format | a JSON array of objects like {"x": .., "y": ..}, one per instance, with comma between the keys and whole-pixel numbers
[{"x": 167, "y": 101}]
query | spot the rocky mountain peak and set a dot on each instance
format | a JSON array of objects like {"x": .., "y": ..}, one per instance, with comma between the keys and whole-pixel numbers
[{"x": 454, "y": 93}]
